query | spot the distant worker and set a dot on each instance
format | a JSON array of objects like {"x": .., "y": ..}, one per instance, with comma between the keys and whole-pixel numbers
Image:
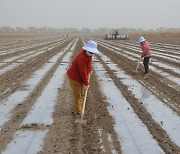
[
  {"x": 79, "y": 71},
  {"x": 146, "y": 54}
]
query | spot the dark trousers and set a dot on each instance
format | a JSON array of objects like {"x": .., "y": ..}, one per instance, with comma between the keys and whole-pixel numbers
[{"x": 146, "y": 64}]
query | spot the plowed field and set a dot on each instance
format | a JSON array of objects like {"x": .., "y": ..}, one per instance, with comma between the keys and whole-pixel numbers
[{"x": 125, "y": 112}]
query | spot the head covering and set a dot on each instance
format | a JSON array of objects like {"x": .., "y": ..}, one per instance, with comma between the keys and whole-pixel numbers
[
  {"x": 141, "y": 39},
  {"x": 91, "y": 46}
]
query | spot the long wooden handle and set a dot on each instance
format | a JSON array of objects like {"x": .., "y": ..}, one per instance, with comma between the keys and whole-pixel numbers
[
  {"x": 137, "y": 65},
  {"x": 84, "y": 102}
]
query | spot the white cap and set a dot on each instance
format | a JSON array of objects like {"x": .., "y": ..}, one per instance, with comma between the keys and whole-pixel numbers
[
  {"x": 91, "y": 46},
  {"x": 141, "y": 39}
]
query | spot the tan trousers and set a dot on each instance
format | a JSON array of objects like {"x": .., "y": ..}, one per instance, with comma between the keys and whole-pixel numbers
[{"x": 78, "y": 92}]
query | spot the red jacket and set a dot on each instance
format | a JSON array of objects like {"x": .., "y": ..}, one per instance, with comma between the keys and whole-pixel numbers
[
  {"x": 146, "y": 51},
  {"x": 80, "y": 68}
]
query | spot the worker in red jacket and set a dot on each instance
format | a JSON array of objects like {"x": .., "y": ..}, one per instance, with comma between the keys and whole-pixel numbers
[
  {"x": 79, "y": 71},
  {"x": 146, "y": 54}
]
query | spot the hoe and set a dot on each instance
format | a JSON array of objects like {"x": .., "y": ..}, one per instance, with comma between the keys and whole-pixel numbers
[
  {"x": 137, "y": 66},
  {"x": 81, "y": 120}
]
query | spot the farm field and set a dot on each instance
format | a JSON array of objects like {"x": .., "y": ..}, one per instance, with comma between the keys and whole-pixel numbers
[{"x": 125, "y": 112}]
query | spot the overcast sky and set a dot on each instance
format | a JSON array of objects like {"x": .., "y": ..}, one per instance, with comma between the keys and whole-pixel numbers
[{"x": 146, "y": 14}]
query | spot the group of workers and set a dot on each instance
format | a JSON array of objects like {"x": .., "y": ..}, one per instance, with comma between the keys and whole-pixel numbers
[{"x": 81, "y": 68}]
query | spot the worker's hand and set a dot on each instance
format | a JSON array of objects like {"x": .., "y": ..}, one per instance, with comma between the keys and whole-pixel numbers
[
  {"x": 89, "y": 75},
  {"x": 86, "y": 87}
]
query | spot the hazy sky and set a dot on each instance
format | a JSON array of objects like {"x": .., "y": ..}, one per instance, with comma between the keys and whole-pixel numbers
[{"x": 146, "y": 14}]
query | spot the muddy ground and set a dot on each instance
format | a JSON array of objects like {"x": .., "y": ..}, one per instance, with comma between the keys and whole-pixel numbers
[{"x": 65, "y": 136}]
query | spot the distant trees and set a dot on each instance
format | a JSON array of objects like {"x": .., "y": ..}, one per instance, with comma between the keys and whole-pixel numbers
[
  {"x": 33, "y": 29},
  {"x": 86, "y": 31},
  {"x": 65, "y": 31}
]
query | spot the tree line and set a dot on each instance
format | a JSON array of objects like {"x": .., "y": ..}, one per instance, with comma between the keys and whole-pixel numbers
[{"x": 64, "y": 31}]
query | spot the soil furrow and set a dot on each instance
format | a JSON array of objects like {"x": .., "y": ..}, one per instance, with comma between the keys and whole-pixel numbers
[
  {"x": 21, "y": 111},
  {"x": 154, "y": 58},
  {"x": 12, "y": 80},
  {"x": 100, "y": 135},
  {"x": 155, "y": 80},
  {"x": 158, "y": 133},
  {"x": 6, "y": 56}
]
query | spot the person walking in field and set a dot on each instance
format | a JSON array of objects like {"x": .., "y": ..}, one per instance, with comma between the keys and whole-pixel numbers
[
  {"x": 146, "y": 54},
  {"x": 79, "y": 72}
]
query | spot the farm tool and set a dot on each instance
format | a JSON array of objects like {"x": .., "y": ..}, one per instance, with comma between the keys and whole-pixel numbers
[
  {"x": 81, "y": 120},
  {"x": 137, "y": 66},
  {"x": 138, "y": 62}
]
